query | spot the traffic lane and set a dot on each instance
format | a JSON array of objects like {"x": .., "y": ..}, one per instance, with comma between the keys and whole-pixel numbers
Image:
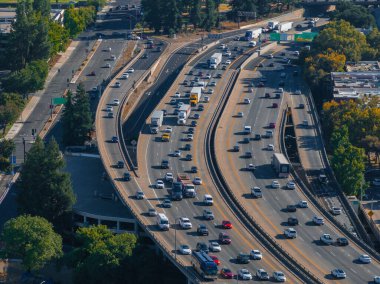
[
  {"x": 175, "y": 138},
  {"x": 242, "y": 165}
]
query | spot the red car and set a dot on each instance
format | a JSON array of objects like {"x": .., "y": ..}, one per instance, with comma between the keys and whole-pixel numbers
[
  {"x": 224, "y": 239},
  {"x": 226, "y": 224},
  {"x": 272, "y": 125},
  {"x": 215, "y": 259},
  {"x": 226, "y": 273}
]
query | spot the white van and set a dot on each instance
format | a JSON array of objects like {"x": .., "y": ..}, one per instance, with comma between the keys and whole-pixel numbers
[
  {"x": 181, "y": 121},
  {"x": 247, "y": 129},
  {"x": 162, "y": 222},
  {"x": 252, "y": 43},
  {"x": 207, "y": 199}
]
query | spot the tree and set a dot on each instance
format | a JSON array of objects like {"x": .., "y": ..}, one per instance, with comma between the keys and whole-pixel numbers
[
  {"x": 6, "y": 149},
  {"x": 42, "y": 6},
  {"x": 77, "y": 121},
  {"x": 170, "y": 16},
  {"x": 45, "y": 190},
  {"x": 100, "y": 254},
  {"x": 357, "y": 15},
  {"x": 32, "y": 239},
  {"x": 195, "y": 13},
  {"x": 211, "y": 15},
  {"x": 58, "y": 37},
  {"x": 77, "y": 19},
  {"x": 152, "y": 14},
  {"x": 8, "y": 114}
]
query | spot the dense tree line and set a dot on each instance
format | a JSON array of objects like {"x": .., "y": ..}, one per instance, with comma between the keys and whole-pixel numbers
[
  {"x": 357, "y": 15},
  {"x": 77, "y": 19}
]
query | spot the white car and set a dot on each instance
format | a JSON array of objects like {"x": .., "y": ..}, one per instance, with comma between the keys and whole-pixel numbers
[
  {"x": 256, "y": 192},
  {"x": 298, "y": 92},
  {"x": 291, "y": 185},
  {"x": 108, "y": 65},
  {"x": 261, "y": 274},
  {"x": 125, "y": 76},
  {"x": 326, "y": 239},
  {"x": 207, "y": 199},
  {"x": 140, "y": 194},
  {"x": 208, "y": 76},
  {"x": 177, "y": 153},
  {"x": 247, "y": 101},
  {"x": 228, "y": 62},
  {"x": 185, "y": 249},
  {"x": 160, "y": 184},
  {"x": 115, "y": 102},
  {"x": 336, "y": 210},
  {"x": 215, "y": 247},
  {"x": 318, "y": 220},
  {"x": 212, "y": 84},
  {"x": 290, "y": 233},
  {"x": 185, "y": 223},
  {"x": 270, "y": 147},
  {"x": 303, "y": 204},
  {"x": 177, "y": 95},
  {"x": 256, "y": 254},
  {"x": 376, "y": 279},
  {"x": 338, "y": 273},
  {"x": 244, "y": 274},
  {"x": 131, "y": 70},
  {"x": 279, "y": 276},
  {"x": 168, "y": 130},
  {"x": 364, "y": 258},
  {"x": 197, "y": 181},
  {"x": 240, "y": 114},
  {"x": 169, "y": 177},
  {"x": 210, "y": 91},
  {"x": 275, "y": 184},
  {"x": 180, "y": 104},
  {"x": 109, "y": 109},
  {"x": 117, "y": 84},
  {"x": 190, "y": 137}
]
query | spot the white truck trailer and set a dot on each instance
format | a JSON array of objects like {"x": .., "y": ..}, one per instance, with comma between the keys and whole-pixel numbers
[
  {"x": 156, "y": 121},
  {"x": 281, "y": 165},
  {"x": 284, "y": 27},
  {"x": 195, "y": 95},
  {"x": 215, "y": 60},
  {"x": 183, "y": 114},
  {"x": 251, "y": 34}
]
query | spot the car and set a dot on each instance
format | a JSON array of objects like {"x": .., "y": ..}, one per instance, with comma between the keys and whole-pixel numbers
[
  {"x": 275, "y": 105},
  {"x": 189, "y": 157},
  {"x": 336, "y": 210},
  {"x": 256, "y": 254},
  {"x": 318, "y": 220},
  {"x": 120, "y": 164},
  {"x": 214, "y": 247},
  {"x": 261, "y": 65},
  {"x": 130, "y": 70},
  {"x": 201, "y": 107},
  {"x": 194, "y": 169},
  {"x": 185, "y": 82},
  {"x": 196, "y": 116},
  {"x": 295, "y": 73},
  {"x": 168, "y": 129},
  {"x": 297, "y": 92},
  {"x": 270, "y": 147},
  {"x": 292, "y": 221},
  {"x": 236, "y": 148},
  {"x": 187, "y": 147},
  {"x": 271, "y": 64},
  {"x": 272, "y": 125},
  {"x": 114, "y": 139},
  {"x": 207, "y": 199},
  {"x": 257, "y": 137},
  {"x": 152, "y": 212},
  {"x": 185, "y": 223},
  {"x": 167, "y": 203},
  {"x": 140, "y": 194},
  {"x": 197, "y": 181},
  {"x": 165, "y": 164},
  {"x": 208, "y": 76},
  {"x": 303, "y": 204},
  {"x": 194, "y": 123},
  {"x": 110, "y": 115},
  {"x": 190, "y": 130},
  {"x": 169, "y": 177},
  {"x": 240, "y": 114},
  {"x": 208, "y": 215},
  {"x": 338, "y": 273},
  {"x": 261, "y": 274},
  {"x": 180, "y": 104},
  {"x": 210, "y": 91},
  {"x": 247, "y": 101},
  {"x": 189, "y": 137},
  {"x": 206, "y": 99},
  {"x": 291, "y": 208},
  {"x": 244, "y": 274},
  {"x": 226, "y": 224},
  {"x": 342, "y": 241},
  {"x": 248, "y": 154},
  {"x": 185, "y": 249},
  {"x": 243, "y": 258},
  {"x": 127, "y": 176},
  {"x": 177, "y": 153},
  {"x": 291, "y": 185},
  {"x": 215, "y": 259},
  {"x": 202, "y": 230},
  {"x": 376, "y": 279},
  {"x": 124, "y": 76},
  {"x": 191, "y": 72},
  {"x": 218, "y": 75},
  {"x": 201, "y": 246},
  {"x": 275, "y": 184},
  {"x": 200, "y": 73},
  {"x": 228, "y": 62},
  {"x": 364, "y": 258},
  {"x": 226, "y": 273},
  {"x": 107, "y": 65},
  {"x": 224, "y": 239},
  {"x": 109, "y": 108},
  {"x": 250, "y": 167},
  {"x": 326, "y": 239},
  {"x": 177, "y": 95},
  {"x": 212, "y": 84},
  {"x": 160, "y": 184},
  {"x": 144, "y": 56},
  {"x": 301, "y": 106},
  {"x": 290, "y": 233},
  {"x": 279, "y": 276},
  {"x": 256, "y": 192},
  {"x": 261, "y": 84}
]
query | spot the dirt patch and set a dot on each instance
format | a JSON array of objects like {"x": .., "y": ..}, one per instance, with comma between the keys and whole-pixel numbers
[{"x": 126, "y": 56}]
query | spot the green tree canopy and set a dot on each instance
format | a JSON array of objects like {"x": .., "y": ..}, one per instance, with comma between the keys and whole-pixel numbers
[
  {"x": 45, "y": 190},
  {"x": 357, "y": 15},
  {"x": 32, "y": 239}
]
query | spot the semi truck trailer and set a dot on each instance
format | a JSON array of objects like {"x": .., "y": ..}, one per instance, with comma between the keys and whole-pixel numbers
[
  {"x": 215, "y": 60},
  {"x": 195, "y": 95}
]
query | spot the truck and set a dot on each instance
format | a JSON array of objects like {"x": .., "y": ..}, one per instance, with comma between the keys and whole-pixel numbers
[
  {"x": 176, "y": 191},
  {"x": 251, "y": 34},
  {"x": 156, "y": 121},
  {"x": 188, "y": 187},
  {"x": 204, "y": 265},
  {"x": 215, "y": 60},
  {"x": 284, "y": 27},
  {"x": 272, "y": 25},
  {"x": 184, "y": 111},
  {"x": 280, "y": 165},
  {"x": 195, "y": 95}
]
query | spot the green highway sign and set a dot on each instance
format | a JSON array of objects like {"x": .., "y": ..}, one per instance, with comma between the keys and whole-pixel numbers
[{"x": 59, "y": 101}]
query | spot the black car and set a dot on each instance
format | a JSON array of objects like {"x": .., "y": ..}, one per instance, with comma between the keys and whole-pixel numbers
[
  {"x": 120, "y": 164},
  {"x": 145, "y": 55},
  {"x": 190, "y": 130},
  {"x": 291, "y": 208},
  {"x": 127, "y": 176},
  {"x": 301, "y": 106},
  {"x": 342, "y": 242},
  {"x": 191, "y": 72},
  {"x": 165, "y": 112},
  {"x": 292, "y": 221},
  {"x": 271, "y": 64},
  {"x": 194, "y": 123},
  {"x": 202, "y": 247},
  {"x": 202, "y": 230},
  {"x": 189, "y": 157},
  {"x": 165, "y": 164},
  {"x": 187, "y": 147},
  {"x": 243, "y": 258},
  {"x": 218, "y": 75},
  {"x": 257, "y": 137},
  {"x": 201, "y": 107},
  {"x": 114, "y": 139},
  {"x": 194, "y": 169}
]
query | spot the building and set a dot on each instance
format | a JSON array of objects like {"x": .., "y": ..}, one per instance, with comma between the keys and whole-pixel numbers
[{"x": 361, "y": 80}]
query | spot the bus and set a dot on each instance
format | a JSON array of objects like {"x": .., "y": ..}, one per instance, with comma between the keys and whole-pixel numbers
[{"x": 204, "y": 265}]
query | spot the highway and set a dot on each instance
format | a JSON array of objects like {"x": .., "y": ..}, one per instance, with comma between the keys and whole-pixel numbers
[
  {"x": 270, "y": 211},
  {"x": 156, "y": 151}
]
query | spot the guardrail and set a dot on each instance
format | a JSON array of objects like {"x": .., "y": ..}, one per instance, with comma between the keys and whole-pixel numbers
[
  {"x": 306, "y": 190},
  {"x": 232, "y": 201}
]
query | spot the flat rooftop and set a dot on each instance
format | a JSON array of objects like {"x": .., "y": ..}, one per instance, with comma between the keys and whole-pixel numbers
[
  {"x": 362, "y": 66},
  {"x": 94, "y": 194}
]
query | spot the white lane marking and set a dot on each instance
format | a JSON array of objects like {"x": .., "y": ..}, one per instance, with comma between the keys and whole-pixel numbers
[{"x": 353, "y": 270}]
